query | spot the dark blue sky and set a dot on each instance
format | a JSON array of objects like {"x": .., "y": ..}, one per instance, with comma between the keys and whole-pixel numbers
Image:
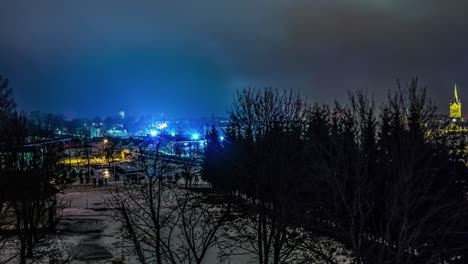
[{"x": 95, "y": 57}]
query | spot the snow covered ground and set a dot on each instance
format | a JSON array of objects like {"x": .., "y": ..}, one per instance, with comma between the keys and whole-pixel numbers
[
  {"x": 91, "y": 235},
  {"x": 87, "y": 228},
  {"x": 88, "y": 232}
]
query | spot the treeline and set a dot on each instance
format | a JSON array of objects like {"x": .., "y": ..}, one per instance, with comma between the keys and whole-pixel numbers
[
  {"x": 61, "y": 125},
  {"x": 321, "y": 184}
]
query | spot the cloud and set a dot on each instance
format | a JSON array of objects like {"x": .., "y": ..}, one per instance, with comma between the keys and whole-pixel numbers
[{"x": 321, "y": 47}]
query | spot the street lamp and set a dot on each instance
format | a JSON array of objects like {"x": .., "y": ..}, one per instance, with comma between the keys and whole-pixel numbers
[{"x": 105, "y": 142}]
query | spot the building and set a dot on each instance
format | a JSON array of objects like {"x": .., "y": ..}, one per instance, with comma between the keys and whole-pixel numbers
[
  {"x": 455, "y": 107},
  {"x": 454, "y": 122}
]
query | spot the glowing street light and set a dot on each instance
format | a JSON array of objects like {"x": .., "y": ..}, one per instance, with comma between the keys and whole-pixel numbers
[
  {"x": 195, "y": 136},
  {"x": 173, "y": 134},
  {"x": 153, "y": 133},
  {"x": 221, "y": 138},
  {"x": 106, "y": 141}
]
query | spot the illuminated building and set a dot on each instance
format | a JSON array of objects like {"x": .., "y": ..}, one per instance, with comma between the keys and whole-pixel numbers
[
  {"x": 122, "y": 114},
  {"x": 454, "y": 123},
  {"x": 455, "y": 107}
]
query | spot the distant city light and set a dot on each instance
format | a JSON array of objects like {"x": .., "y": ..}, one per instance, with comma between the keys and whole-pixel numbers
[
  {"x": 221, "y": 138},
  {"x": 173, "y": 134},
  {"x": 162, "y": 126},
  {"x": 153, "y": 133},
  {"x": 195, "y": 136}
]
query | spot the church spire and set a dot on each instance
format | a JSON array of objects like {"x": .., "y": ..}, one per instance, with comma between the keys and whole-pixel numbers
[{"x": 455, "y": 106}]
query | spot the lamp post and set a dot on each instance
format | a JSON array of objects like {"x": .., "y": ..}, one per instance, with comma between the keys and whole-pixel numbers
[
  {"x": 105, "y": 144},
  {"x": 69, "y": 153}
]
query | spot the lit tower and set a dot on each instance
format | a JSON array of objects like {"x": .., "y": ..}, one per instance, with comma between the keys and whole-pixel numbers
[
  {"x": 122, "y": 114},
  {"x": 455, "y": 106}
]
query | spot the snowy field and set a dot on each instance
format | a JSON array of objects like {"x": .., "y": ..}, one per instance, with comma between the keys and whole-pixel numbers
[
  {"x": 88, "y": 232},
  {"x": 91, "y": 235}
]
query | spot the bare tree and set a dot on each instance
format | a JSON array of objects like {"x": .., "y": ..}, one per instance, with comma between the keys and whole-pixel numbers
[
  {"x": 31, "y": 169},
  {"x": 165, "y": 224},
  {"x": 320, "y": 185},
  {"x": 268, "y": 125},
  {"x": 7, "y": 110},
  {"x": 28, "y": 169},
  {"x": 109, "y": 148},
  {"x": 189, "y": 162},
  {"x": 7, "y": 103},
  {"x": 195, "y": 228},
  {"x": 6, "y": 223},
  {"x": 389, "y": 195},
  {"x": 86, "y": 151}
]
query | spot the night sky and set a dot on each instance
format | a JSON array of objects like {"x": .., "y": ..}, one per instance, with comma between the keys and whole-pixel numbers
[{"x": 96, "y": 57}]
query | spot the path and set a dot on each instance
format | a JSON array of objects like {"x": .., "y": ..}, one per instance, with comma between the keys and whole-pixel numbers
[{"x": 86, "y": 225}]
